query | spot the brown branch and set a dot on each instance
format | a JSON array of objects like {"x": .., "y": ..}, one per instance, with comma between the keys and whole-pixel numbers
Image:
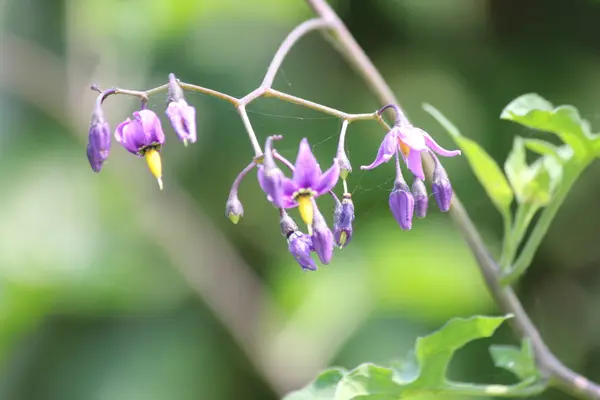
[{"x": 505, "y": 297}]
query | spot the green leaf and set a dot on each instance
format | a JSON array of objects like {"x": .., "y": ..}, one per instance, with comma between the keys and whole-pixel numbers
[
  {"x": 435, "y": 351},
  {"x": 485, "y": 168},
  {"x": 532, "y": 184},
  {"x": 535, "y": 112},
  {"x": 519, "y": 361},
  {"x": 322, "y": 388}
]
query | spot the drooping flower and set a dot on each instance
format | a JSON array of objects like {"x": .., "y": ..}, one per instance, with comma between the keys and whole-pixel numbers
[
  {"x": 180, "y": 113},
  {"x": 411, "y": 141},
  {"x": 98, "y": 147},
  {"x": 300, "y": 245},
  {"x": 308, "y": 182},
  {"x": 402, "y": 202},
  {"x": 144, "y": 137},
  {"x": 441, "y": 187},
  {"x": 343, "y": 217},
  {"x": 322, "y": 237},
  {"x": 419, "y": 192}
]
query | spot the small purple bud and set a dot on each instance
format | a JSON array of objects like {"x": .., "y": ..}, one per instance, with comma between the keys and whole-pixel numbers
[
  {"x": 98, "y": 147},
  {"x": 343, "y": 216},
  {"x": 419, "y": 192},
  {"x": 402, "y": 204},
  {"x": 441, "y": 187},
  {"x": 322, "y": 237},
  {"x": 180, "y": 113},
  {"x": 234, "y": 209},
  {"x": 270, "y": 176},
  {"x": 300, "y": 246}
]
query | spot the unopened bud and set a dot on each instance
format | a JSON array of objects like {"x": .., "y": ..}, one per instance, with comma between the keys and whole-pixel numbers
[
  {"x": 234, "y": 209},
  {"x": 402, "y": 205},
  {"x": 322, "y": 237},
  {"x": 344, "y": 163},
  {"x": 441, "y": 187},
  {"x": 343, "y": 217},
  {"x": 287, "y": 224},
  {"x": 419, "y": 192}
]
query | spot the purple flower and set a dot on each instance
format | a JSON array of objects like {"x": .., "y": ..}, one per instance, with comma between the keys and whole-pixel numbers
[
  {"x": 300, "y": 246},
  {"x": 144, "y": 137},
  {"x": 411, "y": 141},
  {"x": 322, "y": 237},
  {"x": 308, "y": 182},
  {"x": 270, "y": 177},
  {"x": 98, "y": 147},
  {"x": 419, "y": 192},
  {"x": 183, "y": 120},
  {"x": 343, "y": 216},
  {"x": 441, "y": 187},
  {"x": 402, "y": 204}
]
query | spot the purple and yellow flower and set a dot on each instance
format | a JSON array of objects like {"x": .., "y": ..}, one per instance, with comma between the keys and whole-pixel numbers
[
  {"x": 308, "y": 182},
  {"x": 143, "y": 136},
  {"x": 411, "y": 142}
]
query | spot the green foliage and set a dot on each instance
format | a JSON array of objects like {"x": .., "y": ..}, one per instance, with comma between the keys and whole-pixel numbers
[
  {"x": 424, "y": 371},
  {"x": 520, "y": 361},
  {"x": 484, "y": 167},
  {"x": 532, "y": 184},
  {"x": 535, "y": 112}
]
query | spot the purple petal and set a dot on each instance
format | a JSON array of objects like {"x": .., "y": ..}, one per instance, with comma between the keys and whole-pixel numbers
[
  {"x": 412, "y": 137},
  {"x": 288, "y": 189},
  {"x": 432, "y": 144},
  {"x": 183, "y": 120},
  {"x": 402, "y": 206},
  {"x": 125, "y": 134},
  {"x": 415, "y": 164},
  {"x": 119, "y": 134},
  {"x": 152, "y": 127},
  {"x": 306, "y": 174},
  {"x": 329, "y": 179},
  {"x": 386, "y": 150}
]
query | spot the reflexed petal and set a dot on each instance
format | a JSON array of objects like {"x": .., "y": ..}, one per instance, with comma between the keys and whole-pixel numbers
[
  {"x": 412, "y": 137},
  {"x": 432, "y": 144},
  {"x": 119, "y": 131},
  {"x": 415, "y": 164},
  {"x": 306, "y": 174},
  {"x": 329, "y": 179},
  {"x": 386, "y": 150}
]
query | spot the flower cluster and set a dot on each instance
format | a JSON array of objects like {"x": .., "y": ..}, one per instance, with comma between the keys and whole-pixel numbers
[
  {"x": 308, "y": 182},
  {"x": 408, "y": 142},
  {"x": 141, "y": 135}
]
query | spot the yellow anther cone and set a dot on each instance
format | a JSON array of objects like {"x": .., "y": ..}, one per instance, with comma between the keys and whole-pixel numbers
[
  {"x": 155, "y": 165},
  {"x": 305, "y": 207}
]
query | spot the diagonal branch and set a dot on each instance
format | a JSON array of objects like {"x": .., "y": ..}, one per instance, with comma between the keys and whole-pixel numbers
[{"x": 505, "y": 297}]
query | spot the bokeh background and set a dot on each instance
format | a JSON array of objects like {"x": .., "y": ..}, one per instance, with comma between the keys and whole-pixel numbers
[{"x": 110, "y": 289}]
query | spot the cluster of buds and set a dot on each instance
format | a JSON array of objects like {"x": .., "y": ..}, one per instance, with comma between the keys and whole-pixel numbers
[
  {"x": 141, "y": 135},
  {"x": 308, "y": 182},
  {"x": 408, "y": 142}
]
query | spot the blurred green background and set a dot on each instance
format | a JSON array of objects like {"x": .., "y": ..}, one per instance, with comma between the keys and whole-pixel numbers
[{"x": 110, "y": 289}]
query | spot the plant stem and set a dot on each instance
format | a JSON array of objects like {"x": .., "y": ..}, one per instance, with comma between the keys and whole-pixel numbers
[
  {"x": 535, "y": 239},
  {"x": 525, "y": 213},
  {"x": 505, "y": 297}
]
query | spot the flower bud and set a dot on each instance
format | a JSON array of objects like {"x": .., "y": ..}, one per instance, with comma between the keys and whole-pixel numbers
[
  {"x": 300, "y": 246},
  {"x": 344, "y": 163},
  {"x": 180, "y": 113},
  {"x": 402, "y": 205},
  {"x": 322, "y": 237},
  {"x": 98, "y": 147},
  {"x": 233, "y": 208},
  {"x": 343, "y": 216},
  {"x": 441, "y": 187},
  {"x": 419, "y": 192}
]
